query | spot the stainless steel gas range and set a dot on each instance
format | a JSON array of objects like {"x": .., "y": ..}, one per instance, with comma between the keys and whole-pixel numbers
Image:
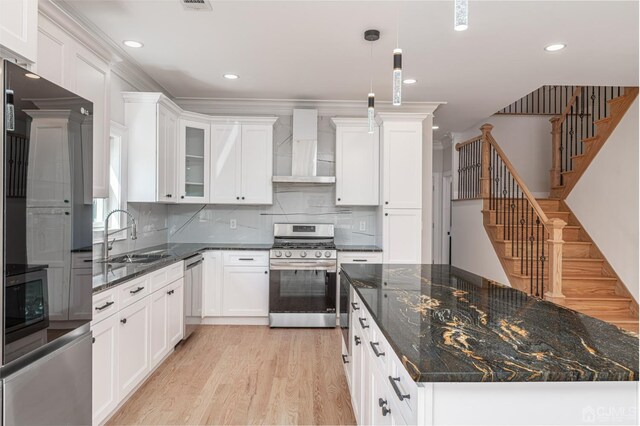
[{"x": 303, "y": 266}]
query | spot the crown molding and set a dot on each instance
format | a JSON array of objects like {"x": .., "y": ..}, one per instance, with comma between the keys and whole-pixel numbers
[
  {"x": 65, "y": 16},
  {"x": 242, "y": 106}
]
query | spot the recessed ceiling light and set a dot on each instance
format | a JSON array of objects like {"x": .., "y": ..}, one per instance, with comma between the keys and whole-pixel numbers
[
  {"x": 410, "y": 81},
  {"x": 31, "y": 75},
  {"x": 132, "y": 43},
  {"x": 435, "y": 127},
  {"x": 555, "y": 47},
  {"x": 231, "y": 76}
]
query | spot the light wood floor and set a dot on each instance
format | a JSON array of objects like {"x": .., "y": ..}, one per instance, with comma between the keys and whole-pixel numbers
[{"x": 246, "y": 375}]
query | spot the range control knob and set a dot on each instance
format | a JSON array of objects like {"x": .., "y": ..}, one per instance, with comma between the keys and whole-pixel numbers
[
  {"x": 278, "y": 253},
  {"x": 287, "y": 253},
  {"x": 303, "y": 254},
  {"x": 327, "y": 254},
  {"x": 318, "y": 254}
]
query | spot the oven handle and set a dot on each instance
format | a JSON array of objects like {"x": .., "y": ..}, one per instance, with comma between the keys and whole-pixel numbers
[{"x": 302, "y": 266}]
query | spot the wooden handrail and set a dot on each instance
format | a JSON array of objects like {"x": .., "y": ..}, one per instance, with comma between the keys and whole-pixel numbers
[
  {"x": 467, "y": 142},
  {"x": 532, "y": 200},
  {"x": 567, "y": 109}
]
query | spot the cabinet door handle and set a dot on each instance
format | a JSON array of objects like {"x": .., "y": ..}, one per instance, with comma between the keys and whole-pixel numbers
[
  {"x": 339, "y": 199},
  {"x": 237, "y": 198},
  {"x": 266, "y": 272},
  {"x": 362, "y": 320},
  {"x": 245, "y": 258},
  {"x": 357, "y": 340},
  {"x": 105, "y": 306},
  {"x": 93, "y": 340},
  {"x": 170, "y": 292},
  {"x": 344, "y": 359},
  {"x": 168, "y": 195},
  {"x": 396, "y": 389},
  {"x": 66, "y": 201},
  {"x": 359, "y": 260},
  {"x": 243, "y": 198},
  {"x": 354, "y": 305},
  {"x": 182, "y": 197},
  {"x": 123, "y": 320},
  {"x": 386, "y": 214},
  {"x": 374, "y": 346},
  {"x": 67, "y": 213},
  {"x": 137, "y": 290}
]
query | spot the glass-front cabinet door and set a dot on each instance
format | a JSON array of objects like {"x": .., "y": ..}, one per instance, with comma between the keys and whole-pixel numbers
[{"x": 194, "y": 162}]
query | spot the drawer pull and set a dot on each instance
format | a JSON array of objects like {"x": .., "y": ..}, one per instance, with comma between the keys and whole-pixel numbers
[
  {"x": 170, "y": 292},
  {"x": 374, "y": 346},
  {"x": 354, "y": 305},
  {"x": 357, "y": 340},
  {"x": 344, "y": 359},
  {"x": 359, "y": 260},
  {"x": 123, "y": 320},
  {"x": 396, "y": 389},
  {"x": 136, "y": 291},
  {"x": 105, "y": 306},
  {"x": 362, "y": 320},
  {"x": 245, "y": 258}
]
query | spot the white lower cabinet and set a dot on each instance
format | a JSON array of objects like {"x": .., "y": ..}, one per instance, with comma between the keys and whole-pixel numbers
[
  {"x": 236, "y": 285},
  {"x": 175, "y": 312},
  {"x": 105, "y": 368},
  {"x": 373, "y": 398},
  {"x": 133, "y": 345},
  {"x": 133, "y": 332},
  {"x": 245, "y": 291}
]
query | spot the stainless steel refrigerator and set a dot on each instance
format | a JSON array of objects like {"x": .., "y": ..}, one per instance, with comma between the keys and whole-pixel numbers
[{"x": 46, "y": 220}]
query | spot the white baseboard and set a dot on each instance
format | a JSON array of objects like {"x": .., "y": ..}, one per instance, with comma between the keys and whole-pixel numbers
[{"x": 235, "y": 321}]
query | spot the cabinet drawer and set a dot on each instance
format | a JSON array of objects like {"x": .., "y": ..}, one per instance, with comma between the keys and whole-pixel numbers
[
  {"x": 380, "y": 350},
  {"x": 360, "y": 257},
  {"x": 82, "y": 260},
  {"x": 133, "y": 291},
  {"x": 404, "y": 389},
  {"x": 166, "y": 275},
  {"x": 105, "y": 304},
  {"x": 246, "y": 258}
]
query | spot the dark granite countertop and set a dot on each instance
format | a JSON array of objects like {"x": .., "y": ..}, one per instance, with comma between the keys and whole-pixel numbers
[
  {"x": 448, "y": 325},
  {"x": 357, "y": 247},
  {"x": 108, "y": 275}
]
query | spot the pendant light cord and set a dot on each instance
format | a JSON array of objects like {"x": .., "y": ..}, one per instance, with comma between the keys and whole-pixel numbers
[{"x": 371, "y": 68}]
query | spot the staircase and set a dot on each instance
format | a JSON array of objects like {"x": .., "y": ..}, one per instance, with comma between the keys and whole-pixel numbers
[{"x": 542, "y": 246}]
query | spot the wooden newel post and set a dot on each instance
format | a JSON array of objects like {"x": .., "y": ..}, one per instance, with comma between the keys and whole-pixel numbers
[
  {"x": 554, "y": 293},
  {"x": 556, "y": 153},
  {"x": 485, "y": 173}
]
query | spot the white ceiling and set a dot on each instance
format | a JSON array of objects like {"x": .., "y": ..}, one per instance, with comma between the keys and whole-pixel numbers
[{"x": 315, "y": 49}]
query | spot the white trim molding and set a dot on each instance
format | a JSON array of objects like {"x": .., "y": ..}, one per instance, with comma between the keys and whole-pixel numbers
[{"x": 241, "y": 106}]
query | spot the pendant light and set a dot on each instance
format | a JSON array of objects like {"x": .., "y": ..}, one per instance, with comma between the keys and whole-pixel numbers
[
  {"x": 371, "y": 36},
  {"x": 397, "y": 67},
  {"x": 461, "y": 16}
]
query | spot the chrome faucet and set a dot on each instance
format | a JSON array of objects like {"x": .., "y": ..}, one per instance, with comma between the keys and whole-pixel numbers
[{"x": 105, "y": 242}]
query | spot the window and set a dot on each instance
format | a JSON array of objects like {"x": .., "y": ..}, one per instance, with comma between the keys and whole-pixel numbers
[{"x": 117, "y": 179}]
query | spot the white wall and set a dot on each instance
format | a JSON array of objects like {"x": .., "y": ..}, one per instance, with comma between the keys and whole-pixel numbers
[
  {"x": 526, "y": 140},
  {"x": 471, "y": 248},
  {"x": 605, "y": 200}
]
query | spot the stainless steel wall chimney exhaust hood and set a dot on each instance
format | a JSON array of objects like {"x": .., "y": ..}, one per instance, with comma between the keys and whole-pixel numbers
[{"x": 304, "y": 150}]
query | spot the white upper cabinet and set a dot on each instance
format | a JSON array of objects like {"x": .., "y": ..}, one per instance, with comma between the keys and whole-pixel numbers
[
  {"x": 152, "y": 122},
  {"x": 257, "y": 164},
  {"x": 193, "y": 161},
  {"x": 402, "y": 164},
  {"x": 19, "y": 29},
  {"x": 226, "y": 154},
  {"x": 242, "y": 161},
  {"x": 357, "y": 163},
  {"x": 66, "y": 62}
]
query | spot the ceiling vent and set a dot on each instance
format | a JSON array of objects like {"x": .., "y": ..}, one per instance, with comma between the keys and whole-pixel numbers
[{"x": 196, "y": 4}]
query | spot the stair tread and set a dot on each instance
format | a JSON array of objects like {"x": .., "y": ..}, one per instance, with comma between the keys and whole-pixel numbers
[
  {"x": 577, "y": 156},
  {"x": 600, "y": 298},
  {"x": 602, "y": 120},
  {"x": 564, "y": 258},
  {"x": 587, "y": 277}
]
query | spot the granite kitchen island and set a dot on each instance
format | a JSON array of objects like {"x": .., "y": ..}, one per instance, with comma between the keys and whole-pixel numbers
[{"x": 433, "y": 344}]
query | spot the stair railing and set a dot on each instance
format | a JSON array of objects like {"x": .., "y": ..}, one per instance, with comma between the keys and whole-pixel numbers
[
  {"x": 587, "y": 105},
  {"x": 532, "y": 239}
]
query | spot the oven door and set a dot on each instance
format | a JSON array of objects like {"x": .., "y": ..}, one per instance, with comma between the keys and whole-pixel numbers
[
  {"x": 26, "y": 305},
  {"x": 302, "y": 286}
]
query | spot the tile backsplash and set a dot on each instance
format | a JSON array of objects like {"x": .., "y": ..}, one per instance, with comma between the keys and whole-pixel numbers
[{"x": 291, "y": 203}]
